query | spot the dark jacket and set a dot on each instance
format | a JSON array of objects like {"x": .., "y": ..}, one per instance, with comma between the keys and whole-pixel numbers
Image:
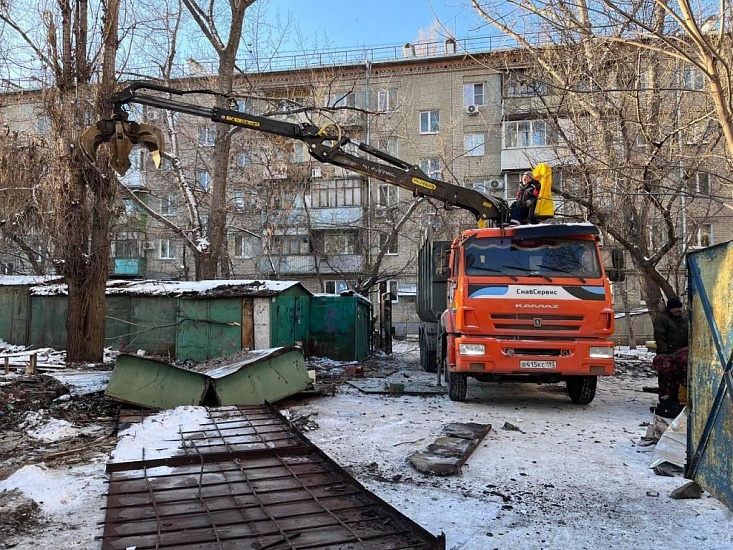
[
  {"x": 670, "y": 332},
  {"x": 529, "y": 192}
]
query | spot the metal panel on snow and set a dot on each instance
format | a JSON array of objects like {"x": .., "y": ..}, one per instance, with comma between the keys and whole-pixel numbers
[
  {"x": 263, "y": 376},
  {"x": 154, "y": 384},
  {"x": 258, "y": 377},
  {"x": 710, "y": 426},
  {"x": 246, "y": 479}
]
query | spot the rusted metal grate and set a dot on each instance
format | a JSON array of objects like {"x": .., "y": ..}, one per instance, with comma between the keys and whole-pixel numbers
[{"x": 246, "y": 479}]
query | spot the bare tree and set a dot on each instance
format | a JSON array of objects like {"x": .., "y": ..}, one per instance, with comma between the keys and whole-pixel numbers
[
  {"x": 22, "y": 165},
  {"x": 79, "y": 200},
  {"x": 632, "y": 137}
]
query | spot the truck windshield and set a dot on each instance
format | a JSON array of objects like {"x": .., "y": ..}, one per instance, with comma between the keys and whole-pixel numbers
[{"x": 556, "y": 257}]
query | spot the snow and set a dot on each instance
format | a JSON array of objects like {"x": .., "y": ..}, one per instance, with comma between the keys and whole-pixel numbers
[
  {"x": 570, "y": 477},
  {"x": 157, "y": 436},
  {"x": 26, "y": 280},
  {"x": 178, "y": 288}
]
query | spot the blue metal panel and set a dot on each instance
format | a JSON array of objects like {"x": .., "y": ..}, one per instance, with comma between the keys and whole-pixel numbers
[{"x": 710, "y": 386}]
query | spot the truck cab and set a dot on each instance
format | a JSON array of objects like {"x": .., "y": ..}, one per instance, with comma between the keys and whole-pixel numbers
[{"x": 529, "y": 303}]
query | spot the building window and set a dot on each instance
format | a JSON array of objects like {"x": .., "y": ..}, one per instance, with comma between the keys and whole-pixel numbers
[
  {"x": 169, "y": 205},
  {"x": 335, "y": 287},
  {"x": 125, "y": 249},
  {"x": 432, "y": 167},
  {"x": 700, "y": 183},
  {"x": 474, "y": 144},
  {"x": 167, "y": 249},
  {"x": 203, "y": 179},
  {"x": 289, "y": 244},
  {"x": 243, "y": 159},
  {"x": 393, "y": 288},
  {"x": 429, "y": 122},
  {"x": 341, "y": 99},
  {"x": 389, "y": 243},
  {"x": 473, "y": 94},
  {"x": 239, "y": 201},
  {"x": 705, "y": 235},
  {"x": 245, "y": 246},
  {"x": 387, "y": 100},
  {"x": 207, "y": 136},
  {"x": 43, "y": 124},
  {"x": 528, "y": 133},
  {"x": 388, "y": 145},
  {"x": 388, "y": 195},
  {"x": 517, "y": 86},
  {"x": 692, "y": 79},
  {"x": 336, "y": 243},
  {"x": 245, "y": 106},
  {"x": 300, "y": 152},
  {"x": 698, "y": 133},
  {"x": 336, "y": 193}
]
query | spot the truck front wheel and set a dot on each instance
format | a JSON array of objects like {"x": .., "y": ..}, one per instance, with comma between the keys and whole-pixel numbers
[
  {"x": 457, "y": 385},
  {"x": 582, "y": 389}
]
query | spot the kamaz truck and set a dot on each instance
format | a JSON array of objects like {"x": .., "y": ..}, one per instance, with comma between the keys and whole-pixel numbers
[
  {"x": 525, "y": 303},
  {"x": 529, "y": 302}
]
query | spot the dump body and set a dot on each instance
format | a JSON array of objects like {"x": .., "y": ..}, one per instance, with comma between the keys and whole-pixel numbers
[{"x": 531, "y": 302}]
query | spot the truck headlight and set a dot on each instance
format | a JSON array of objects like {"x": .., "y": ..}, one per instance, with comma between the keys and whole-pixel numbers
[
  {"x": 598, "y": 352},
  {"x": 471, "y": 349}
]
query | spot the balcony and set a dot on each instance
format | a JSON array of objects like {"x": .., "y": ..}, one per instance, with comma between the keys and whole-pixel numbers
[
  {"x": 523, "y": 158},
  {"x": 325, "y": 218},
  {"x": 305, "y": 264},
  {"x": 129, "y": 267},
  {"x": 292, "y": 264}
]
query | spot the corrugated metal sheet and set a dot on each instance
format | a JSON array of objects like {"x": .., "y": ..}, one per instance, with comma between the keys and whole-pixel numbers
[
  {"x": 208, "y": 328},
  {"x": 246, "y": 479},
  {"x": 710, "y": 386},
  {"x": 340, "y": 327},
  {"x": 14, "y": 305},
  {"x": 142, "y": 322},
  {"x": 259, "y": 377}
]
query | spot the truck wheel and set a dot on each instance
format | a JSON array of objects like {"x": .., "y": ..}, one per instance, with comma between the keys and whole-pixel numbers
[
  {"x": 427, "y": 355},
  {"x": 457, "y": 386},
  {"x": 582, "y": 389}
]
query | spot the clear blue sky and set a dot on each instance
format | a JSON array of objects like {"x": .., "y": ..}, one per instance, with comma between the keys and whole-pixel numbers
[{"x": 349, "y": 23}]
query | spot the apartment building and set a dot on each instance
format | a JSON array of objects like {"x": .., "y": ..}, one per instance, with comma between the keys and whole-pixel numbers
[{"x": 465, "y": 113}]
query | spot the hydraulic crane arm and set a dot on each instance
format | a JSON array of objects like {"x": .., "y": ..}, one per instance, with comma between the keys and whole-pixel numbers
[{"x": 326, "y": 144}]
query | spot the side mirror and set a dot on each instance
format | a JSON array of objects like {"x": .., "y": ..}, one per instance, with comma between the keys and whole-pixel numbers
[
  {"x": 617, "y": 258},
  {"x": 616, "y": 275}
]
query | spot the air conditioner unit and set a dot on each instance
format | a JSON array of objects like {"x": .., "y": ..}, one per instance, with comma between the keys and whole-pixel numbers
[
  {"x": 316, "y": 172},
  {"x": 496, "y": 185},
  {"x": 380, "y": 211},
  {"x": 152, "y": 114},
  {"x": 471, "y": 109},
  {"x": 148, "y": 245}
]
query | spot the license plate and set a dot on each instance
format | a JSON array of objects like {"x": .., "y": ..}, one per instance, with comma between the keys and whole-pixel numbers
[{"x": 537, "y": 364}]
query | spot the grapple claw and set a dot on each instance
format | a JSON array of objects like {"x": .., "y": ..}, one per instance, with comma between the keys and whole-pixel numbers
[{"x": 121, "y": 135}]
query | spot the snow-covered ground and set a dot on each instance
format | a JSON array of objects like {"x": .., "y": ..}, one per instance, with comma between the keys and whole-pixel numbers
[{"x": 549, "y": 475}]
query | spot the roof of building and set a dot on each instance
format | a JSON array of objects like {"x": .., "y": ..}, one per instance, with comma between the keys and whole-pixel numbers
[{"x": 211, "y": 288}]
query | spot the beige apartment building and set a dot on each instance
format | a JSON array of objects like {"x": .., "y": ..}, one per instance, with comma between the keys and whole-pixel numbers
[{"x": 463, "y": 112}]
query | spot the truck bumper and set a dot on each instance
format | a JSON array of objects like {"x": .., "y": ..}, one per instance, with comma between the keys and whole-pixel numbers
[{"x": 518, "y": 357}]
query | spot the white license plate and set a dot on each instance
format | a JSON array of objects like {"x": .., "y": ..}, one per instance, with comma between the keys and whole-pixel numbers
[{"x": 537, "y": 364}]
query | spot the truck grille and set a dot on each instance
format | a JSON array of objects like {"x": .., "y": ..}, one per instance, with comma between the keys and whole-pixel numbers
[{"x": 534, "y": 323}]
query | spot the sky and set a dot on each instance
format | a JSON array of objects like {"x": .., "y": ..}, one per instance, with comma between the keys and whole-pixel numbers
[{"x": 353, "y": 23}]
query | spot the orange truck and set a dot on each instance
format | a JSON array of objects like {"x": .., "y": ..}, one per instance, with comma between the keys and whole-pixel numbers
[
  {"x": 531, "y": 302},
  {"x": 526, "y": 303}
]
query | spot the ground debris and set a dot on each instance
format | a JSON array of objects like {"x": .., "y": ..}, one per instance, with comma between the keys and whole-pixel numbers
[
  {"x": 31, "y": 403},
  {"x": 18, "y": 514},
  {"x": 688, "y": 490},
  {"x": 451, "y": 450}
]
